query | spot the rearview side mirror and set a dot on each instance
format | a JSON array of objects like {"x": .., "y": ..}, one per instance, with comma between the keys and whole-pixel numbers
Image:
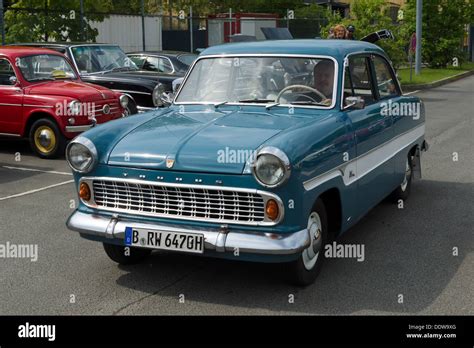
[
  {"x": 354, "y": 103},
  {"x": 13, "y": 80},
  {"x": 177, "y": 83}
]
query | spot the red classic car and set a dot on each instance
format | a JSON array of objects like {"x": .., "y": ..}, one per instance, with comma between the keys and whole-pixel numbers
[{"x": 43, "y": 99}]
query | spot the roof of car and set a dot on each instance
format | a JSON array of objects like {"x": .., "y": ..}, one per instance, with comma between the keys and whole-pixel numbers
[
  {"x": 333, "y": 48},
  {"x": 19, "y": 51},
  {"x": 164, "y": 53},
  {"x": 64, "y": 44}
]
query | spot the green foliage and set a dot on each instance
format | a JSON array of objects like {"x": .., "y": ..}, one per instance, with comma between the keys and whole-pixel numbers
[
  {"x": 60, "y": 20},
  {"x": 442, "y": 29},
  {"x": 369, "y": 16}
]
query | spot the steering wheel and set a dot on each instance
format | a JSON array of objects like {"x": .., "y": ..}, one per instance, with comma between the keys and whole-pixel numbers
[{"x": 312, "y": 89}]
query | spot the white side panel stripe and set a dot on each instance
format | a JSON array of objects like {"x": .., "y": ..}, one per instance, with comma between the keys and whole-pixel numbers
[{"x": 364, "y": 164}]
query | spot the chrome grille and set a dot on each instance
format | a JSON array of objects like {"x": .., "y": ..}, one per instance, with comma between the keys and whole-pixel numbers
[
  {"x": 114, "y": 107},
  {"x": 180, "y": 201}
]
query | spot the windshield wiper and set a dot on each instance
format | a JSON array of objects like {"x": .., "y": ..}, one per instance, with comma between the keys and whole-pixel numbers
[
  {"x": 257, "y": 101},
  {"x": 308, "y": 102}
]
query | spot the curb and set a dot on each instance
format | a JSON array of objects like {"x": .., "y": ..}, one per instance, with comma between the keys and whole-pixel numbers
[{"x": 411, "y": 88}]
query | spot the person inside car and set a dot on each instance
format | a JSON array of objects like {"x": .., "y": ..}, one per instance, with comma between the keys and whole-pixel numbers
[{"x": 324, "y": 80}]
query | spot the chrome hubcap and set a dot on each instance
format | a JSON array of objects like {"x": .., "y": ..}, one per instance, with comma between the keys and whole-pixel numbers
[
  {"x": 404, "y": 184},
  {"x": 45, "y": 138},
  {"x": 310, "y": 255}
]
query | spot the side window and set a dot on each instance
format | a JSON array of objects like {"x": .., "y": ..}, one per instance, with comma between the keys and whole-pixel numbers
[
  {"x": 161, "y": 65},
  {"x": 6, "y": 72},
  {"x": 138, "y": 60},
  {"x": 357, "y": 82},
  {"x": 385, "y": 81}
]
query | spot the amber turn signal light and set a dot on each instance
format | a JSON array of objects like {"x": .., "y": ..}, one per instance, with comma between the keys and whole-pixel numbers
[
  {"x": 272, "y": 209},
  {"x": 84, "y": 191}
]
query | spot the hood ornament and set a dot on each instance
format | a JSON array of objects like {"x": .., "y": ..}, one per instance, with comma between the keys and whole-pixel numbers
[{"x": 169, "y": 163}]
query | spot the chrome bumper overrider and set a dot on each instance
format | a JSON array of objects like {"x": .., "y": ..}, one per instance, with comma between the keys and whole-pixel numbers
[
  {"x": 220, "y": 240},
  {"x": 76, "y": 129}
]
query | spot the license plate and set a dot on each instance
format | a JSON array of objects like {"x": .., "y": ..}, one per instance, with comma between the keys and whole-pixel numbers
[{"x": 155, "y": 239}]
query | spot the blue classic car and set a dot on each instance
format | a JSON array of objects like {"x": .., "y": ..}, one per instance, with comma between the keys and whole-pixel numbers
[{"x": 269, "y": 151}]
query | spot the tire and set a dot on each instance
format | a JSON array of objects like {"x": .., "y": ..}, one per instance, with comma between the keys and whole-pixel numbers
[
  {"x": 46, "y": 140},
  {"x": 403, "y": 190},
  {"x": 305, "y": 269},
  {"x": 131, "y": 109},
  {"x": 117, "y": 253}
]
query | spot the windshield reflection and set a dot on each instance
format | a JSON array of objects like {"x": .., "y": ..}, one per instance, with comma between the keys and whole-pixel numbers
[{"x": 264, "y": 80}]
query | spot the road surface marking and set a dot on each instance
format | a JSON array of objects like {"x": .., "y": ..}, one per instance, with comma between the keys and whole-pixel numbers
[
  {"x": 37, "y": 170},
  {"x": 37, "y": 190}
]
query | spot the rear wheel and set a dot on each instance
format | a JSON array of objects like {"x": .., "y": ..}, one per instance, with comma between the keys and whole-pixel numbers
[
  {"x": 46, "y": 140},
  {"x": 124, "y": 255},
  {"x": 306, "y": 269},
  {"x": 403, "y": 191}
]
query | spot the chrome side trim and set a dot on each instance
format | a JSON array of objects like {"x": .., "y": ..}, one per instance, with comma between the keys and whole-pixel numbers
[
  {"x": 39, "y": 106},
  {"x": 74, "y": 129},
  {"x": 257, "y": 55},
  {"x": 6, "y": 104},
  {"x": 214, "y": 239},
  {"x": 360, "y": 166},
  {"x": 134, "y": 92},
  {"x": 10, "y": 135},
  {"x": 265, "y": 196}
]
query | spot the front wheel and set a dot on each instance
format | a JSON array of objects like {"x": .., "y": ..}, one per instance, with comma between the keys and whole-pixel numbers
[
  {"x": 46, "y": 140},
  {"x": 125, "y": 255},
  {"x": 305, "y": 270},
  {"x": 131, "y": 109}
]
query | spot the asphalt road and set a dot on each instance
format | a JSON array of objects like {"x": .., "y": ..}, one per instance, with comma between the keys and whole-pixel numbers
[{"x": 408, "y": 251}]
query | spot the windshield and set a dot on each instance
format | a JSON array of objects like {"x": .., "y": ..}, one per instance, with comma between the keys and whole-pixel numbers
[
  {"x": 96, "y": 58},
  {"x": 45, "y": 67},
  {"x": 283, "y": 80}
]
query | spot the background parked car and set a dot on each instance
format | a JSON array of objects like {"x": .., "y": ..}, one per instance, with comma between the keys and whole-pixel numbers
[
  {"x": 43, "y": 98},
  {"x": 175, "y": 63},
  {"x": 107, "y": 65}
]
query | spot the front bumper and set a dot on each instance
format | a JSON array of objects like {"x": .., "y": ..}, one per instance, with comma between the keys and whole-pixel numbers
[{"x": 220, "y": 240}]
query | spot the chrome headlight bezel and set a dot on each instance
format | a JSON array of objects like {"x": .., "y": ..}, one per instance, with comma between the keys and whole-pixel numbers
[
  {"x": 74, "y": 108},
  {"x": 124, "y": 100},
  {"x": 156, "y": 95},
  {"x": 89, "y": 147},
  {"x": 284, "y": 163}
]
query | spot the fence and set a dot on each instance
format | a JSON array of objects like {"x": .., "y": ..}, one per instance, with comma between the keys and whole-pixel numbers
[{"x": 138, "y": 30}]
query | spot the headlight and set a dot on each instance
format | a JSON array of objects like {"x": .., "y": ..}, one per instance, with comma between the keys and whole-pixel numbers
[
  {"x": 123, "y": 101},
  {"x": 271, "y": 167},
  {"x": 157, "y": 92},
  {"x": 81, "y": 155},
  {"x": 74, "y": 108}
]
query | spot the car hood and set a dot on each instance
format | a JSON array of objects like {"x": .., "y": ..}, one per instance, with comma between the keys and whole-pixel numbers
[
  {"x": 81, "y": 91},
  {"x": 203, "y": 141}
]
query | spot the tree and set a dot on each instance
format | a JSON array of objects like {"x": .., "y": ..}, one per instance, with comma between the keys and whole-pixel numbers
[
  {"x": 368, "y": 16},
  {"x": 42, "y": 20},
  {"x": 443, "y": 28}
]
